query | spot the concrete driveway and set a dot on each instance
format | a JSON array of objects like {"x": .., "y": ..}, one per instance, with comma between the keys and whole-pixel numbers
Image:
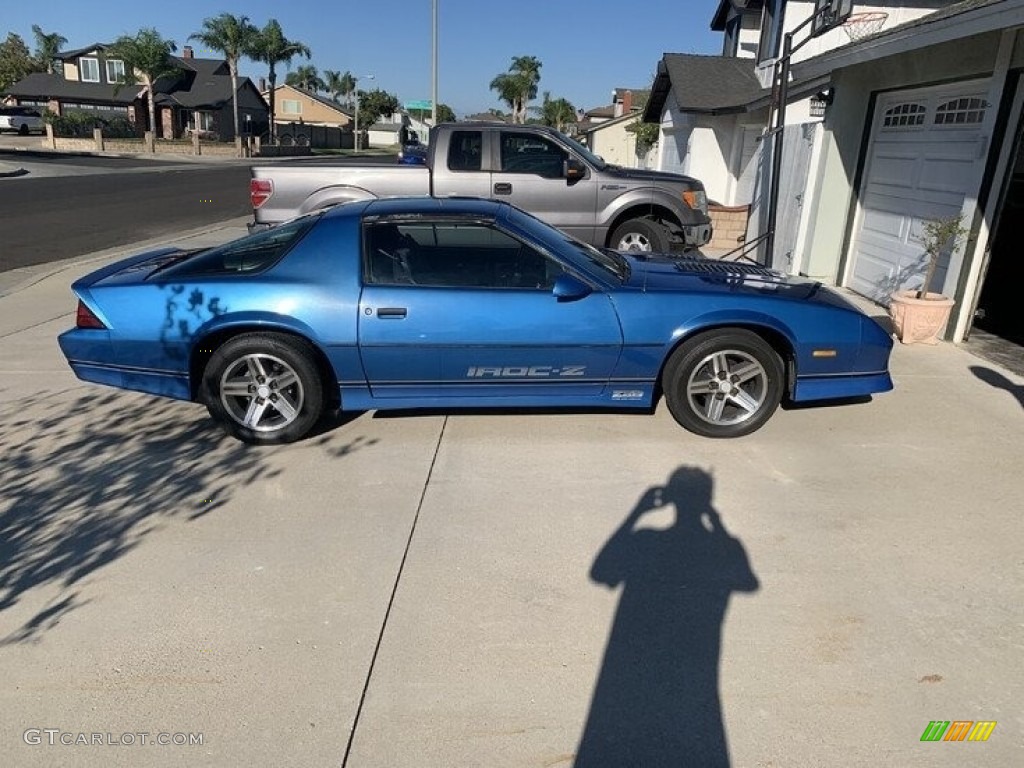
[{"x": 512, "y": 589}]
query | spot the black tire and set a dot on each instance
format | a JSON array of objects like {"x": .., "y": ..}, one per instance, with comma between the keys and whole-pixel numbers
[
  {"x": 641, "y": 235},
  {"x": 264, "y": 388},
  {"x": 23, "y": 129},
  {"x": 723, "y": 383}
]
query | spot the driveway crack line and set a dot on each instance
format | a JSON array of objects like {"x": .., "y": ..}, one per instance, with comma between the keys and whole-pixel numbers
[{"x": 391, "y": 599}]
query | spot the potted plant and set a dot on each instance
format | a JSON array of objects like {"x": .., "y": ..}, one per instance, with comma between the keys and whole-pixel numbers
[{"x": 917, "y": 314}]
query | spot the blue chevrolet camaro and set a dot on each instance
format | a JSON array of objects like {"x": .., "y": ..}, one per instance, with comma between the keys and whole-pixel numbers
[{"x": 462, "y": 303}]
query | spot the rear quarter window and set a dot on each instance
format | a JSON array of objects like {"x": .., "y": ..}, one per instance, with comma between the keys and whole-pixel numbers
[{"x": 250, "y": 255}]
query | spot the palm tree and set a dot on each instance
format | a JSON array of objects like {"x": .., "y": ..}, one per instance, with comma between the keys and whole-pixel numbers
[
  {"x": 348, "y": 87},
  {"x": 234, "y": 37},
  {"x": 528, "y": 67},
  {"x": 307, "y": 78},
  {"x": 557, "y": 113},
  {"x": 517, "y": 86},
  {"x": 47, "y": 47},
  {"x": 147, "y": 58},
  {"x": 333, "y": 84},
  {"x": 273, "y": 48}
]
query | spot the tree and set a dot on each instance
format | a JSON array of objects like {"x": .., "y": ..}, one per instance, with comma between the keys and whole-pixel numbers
[
  {"x": 273, "y": 48},
  {"x": 445, "y": 114},
  {"x": 307, "y": 78},
  {"x": 147, "y": 57},
  {"x": 517, "y": 86},
  {"x": 348, "y": 88},
  {"x": 557, "y": 113},
  {"x": 15, "y": 61},
  {"x": 334, "y": 83},
  {"x": 234, "y": 37},
  {"x": 375, "y": 104},
  {"x": 48, "y": 45}
]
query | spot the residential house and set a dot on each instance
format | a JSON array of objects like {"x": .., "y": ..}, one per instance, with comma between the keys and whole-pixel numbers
[
  {"x": 612, "y": 139},
  {"x": 198, "y": 98},
  {"x": 925, "y": 123},
  {"x": 393, "y": 129},
  {"x": 295, "y": 105},
  {"x": 919, "y": 117}
]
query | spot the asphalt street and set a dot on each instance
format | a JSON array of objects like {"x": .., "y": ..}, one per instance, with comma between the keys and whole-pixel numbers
[{"x": 109, "y": 202}]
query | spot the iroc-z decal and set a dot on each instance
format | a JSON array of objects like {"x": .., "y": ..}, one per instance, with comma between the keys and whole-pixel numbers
[{"x": 524, "y": 371}]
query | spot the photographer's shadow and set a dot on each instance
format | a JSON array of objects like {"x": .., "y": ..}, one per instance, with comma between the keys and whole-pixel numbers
[{"x": 656, "y": 701}]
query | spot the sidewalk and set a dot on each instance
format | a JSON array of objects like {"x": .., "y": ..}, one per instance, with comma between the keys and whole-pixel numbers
[{"x": 437, "y": 590}]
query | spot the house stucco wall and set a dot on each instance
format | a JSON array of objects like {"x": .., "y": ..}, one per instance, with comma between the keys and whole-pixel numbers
[
  {"x": 847, "y": 122},
  {"x": 615, "y": 144}
]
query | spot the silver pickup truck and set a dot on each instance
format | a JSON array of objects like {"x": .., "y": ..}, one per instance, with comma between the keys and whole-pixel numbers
[{"x": 533, "y": 167}]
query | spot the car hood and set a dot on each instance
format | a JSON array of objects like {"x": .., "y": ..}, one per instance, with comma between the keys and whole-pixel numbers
[
  {"x": 666, "y": 272},
  {"x": 644, "y": 175}
]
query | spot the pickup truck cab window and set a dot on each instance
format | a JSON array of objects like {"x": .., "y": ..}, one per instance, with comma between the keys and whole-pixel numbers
[
  {"x": 447, "y": 254},
  {"x": 465, "y": 151},
  {"x": 530, "y": 153}
]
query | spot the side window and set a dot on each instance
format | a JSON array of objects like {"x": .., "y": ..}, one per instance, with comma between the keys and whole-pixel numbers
[
  {"x": 528, "y": 153},
  {"x": 465, "y": 151},
  {"x": 448, "y": 254}
]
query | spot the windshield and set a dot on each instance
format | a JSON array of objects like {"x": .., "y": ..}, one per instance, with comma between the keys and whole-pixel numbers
[
  {"x": 606, "y": 260},
  {"x": 590, "y": 156}
]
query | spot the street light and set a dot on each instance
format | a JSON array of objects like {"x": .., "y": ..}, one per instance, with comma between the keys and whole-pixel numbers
[{"x": 355, "y": 137}]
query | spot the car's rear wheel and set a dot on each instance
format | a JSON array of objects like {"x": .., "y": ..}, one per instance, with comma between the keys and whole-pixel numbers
[
  {"x": 23, "y": 129},
  {"x": 724, "y": 383},
  {"x": 264, "y": 388},
  {"x": 641, "y": 235}
]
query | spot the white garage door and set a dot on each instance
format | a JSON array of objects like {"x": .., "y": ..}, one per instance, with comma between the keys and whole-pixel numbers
[{"x": 926, "y": 153}]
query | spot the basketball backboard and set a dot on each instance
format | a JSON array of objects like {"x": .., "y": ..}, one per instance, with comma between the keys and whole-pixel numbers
[{"x": 829, "y": 14}]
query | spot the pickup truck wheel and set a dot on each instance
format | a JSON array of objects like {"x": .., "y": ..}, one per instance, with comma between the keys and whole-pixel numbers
[
  {"x": 724, "y": 383},
  {"x": 263, "y": 388},
  {"x": 641, "y": 235},
  {"x": 23, "y": 129}
]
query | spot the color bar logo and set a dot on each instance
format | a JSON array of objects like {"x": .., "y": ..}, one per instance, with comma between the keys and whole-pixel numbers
[{"x": 958, "y": 730}]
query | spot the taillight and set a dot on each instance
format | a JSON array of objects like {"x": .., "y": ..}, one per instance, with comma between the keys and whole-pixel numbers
[
  {"x": 84, "y": 318},
  {"x": 260, "y": 190}
]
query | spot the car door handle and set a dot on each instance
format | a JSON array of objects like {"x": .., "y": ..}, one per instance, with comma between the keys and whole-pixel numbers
[
  {"x": 394, "y": 312},
  {"x": 503, "y": 188}
]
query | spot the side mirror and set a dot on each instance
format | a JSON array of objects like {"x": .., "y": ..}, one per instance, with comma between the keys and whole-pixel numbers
[
  {"x": 574, "y": 170},
  {"x": 570, "y": 288}
]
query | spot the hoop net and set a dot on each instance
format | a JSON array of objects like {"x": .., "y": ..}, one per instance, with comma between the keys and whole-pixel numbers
[{"x": 860, "y": 25}]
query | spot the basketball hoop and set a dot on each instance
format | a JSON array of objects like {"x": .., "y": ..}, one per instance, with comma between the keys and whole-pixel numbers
[{"x": 861, "y": 25}]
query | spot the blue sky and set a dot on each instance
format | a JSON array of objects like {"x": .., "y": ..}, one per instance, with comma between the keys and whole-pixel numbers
[{"x": 587, "y": 48}]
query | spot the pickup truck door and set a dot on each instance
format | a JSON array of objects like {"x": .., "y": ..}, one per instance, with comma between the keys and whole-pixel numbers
[
  {"x": 529, "y": 171},
  {"x": 467, "y": 311},
  {"x": 460, "y": 168}
]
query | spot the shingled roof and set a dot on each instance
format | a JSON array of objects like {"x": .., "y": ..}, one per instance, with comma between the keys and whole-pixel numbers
[{"x": 710, "y": 85}]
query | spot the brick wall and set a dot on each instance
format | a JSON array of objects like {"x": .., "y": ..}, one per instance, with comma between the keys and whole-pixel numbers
[{"x": 730, "y": 223}]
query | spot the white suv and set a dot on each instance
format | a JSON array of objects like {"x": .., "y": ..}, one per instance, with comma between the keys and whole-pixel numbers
[{"x": 21, "y": 119}]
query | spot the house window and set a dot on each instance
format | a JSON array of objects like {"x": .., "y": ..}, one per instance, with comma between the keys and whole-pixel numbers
[
  {"x": 291, "y": 107},
  {"x": 201, "y": 121},
  {"x": 730, "y": 45},
  {"x": 89, "y": 70},
  {"x": 963, "y": 111},
  {"x": 903, "y": 115},
  {"x": 115, "y": 70},
  {"x": 771, "y": 30}
]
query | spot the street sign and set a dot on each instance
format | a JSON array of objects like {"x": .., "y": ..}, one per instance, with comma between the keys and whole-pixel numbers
[{"x": 422, "y": 105}]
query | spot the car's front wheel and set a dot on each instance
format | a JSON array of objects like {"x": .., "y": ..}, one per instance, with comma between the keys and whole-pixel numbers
[
  {"x": 23, "y": 129},
  {"x": 263, "y": 388},
  {"x": 641, "y": 235},
  {"x": 724, "y": 383}
]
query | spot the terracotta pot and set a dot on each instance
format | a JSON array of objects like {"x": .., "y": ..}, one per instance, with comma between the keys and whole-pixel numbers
[{"x": 919, "y": 320}]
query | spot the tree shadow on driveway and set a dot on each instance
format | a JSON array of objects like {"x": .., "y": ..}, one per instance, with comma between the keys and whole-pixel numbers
[{"x": 87, "y": 476}]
